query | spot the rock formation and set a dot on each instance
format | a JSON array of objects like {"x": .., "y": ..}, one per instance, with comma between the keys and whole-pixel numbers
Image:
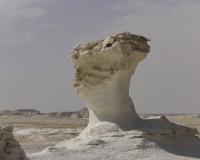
[
  {"x": 9, "y": 147},
  {"x": 115, "y": 131},
  {"x": 103, "y": 73},
  {"x": 83, "y": 113},
  {"x": 20, "y": 112}
]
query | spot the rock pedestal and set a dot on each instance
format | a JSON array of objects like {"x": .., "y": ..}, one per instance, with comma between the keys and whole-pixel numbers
[
  {"x": 103, "y": 73},
  {"x": 115, "y": 131},
  {"x": 10, "y": 149},
  {"x": 102, "y": 79}
]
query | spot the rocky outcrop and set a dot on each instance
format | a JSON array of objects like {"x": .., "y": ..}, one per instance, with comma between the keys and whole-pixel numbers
[
  {"x": 20, "y": 112},
  {"x": 103, "y": 72},
  {"x": 115, "y": 131},
  {"x": 83, "y": 113},
  {"x": 10, "y": 149},
  {"x": 102, "y": 79}
]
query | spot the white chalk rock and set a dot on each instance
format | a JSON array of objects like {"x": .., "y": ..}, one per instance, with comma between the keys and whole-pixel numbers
[
  {"x": 102, "y": 79},
  {"x": 103, "y": 73},
  {"x": 115, "y": 131},
  {"x": 10, "y": 149}
]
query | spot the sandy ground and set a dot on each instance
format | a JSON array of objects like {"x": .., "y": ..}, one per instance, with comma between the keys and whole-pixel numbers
[
  {"x": 40, "y": 131},
  {"x": 188, "y": 120}
]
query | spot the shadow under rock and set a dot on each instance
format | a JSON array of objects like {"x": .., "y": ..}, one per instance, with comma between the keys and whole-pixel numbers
[
  {"x": 174, "y": 138},
  {"x": 184, "y": 145}
]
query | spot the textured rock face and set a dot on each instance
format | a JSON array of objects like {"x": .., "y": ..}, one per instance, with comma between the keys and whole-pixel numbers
[
  {"x": 97, "y": 61},
  {"x": 9, "y": 147},
  {"x": 115, "y": 131},
  {"x": 103, "y": 73}
]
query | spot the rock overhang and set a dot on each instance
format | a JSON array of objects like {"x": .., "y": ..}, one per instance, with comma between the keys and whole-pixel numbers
[{"x": 98, "y": 60}]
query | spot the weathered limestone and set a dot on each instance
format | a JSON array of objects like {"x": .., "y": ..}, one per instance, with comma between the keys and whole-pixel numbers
[
  {"x": 115, "y": 131},
  {"x": 103, "y": 73},
  {"x": 10, "y": 149}
]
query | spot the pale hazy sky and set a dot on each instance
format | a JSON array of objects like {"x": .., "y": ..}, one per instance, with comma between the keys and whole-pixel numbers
[{"x": 36, "y": 37}]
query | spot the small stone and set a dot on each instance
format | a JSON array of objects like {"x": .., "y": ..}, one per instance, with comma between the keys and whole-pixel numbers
[{"x": 96, "y": 142}]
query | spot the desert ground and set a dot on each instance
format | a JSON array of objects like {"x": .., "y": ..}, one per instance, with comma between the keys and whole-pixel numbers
[
  {"x": 40, "y": 131},
  {"x": 36, "y": 132}
]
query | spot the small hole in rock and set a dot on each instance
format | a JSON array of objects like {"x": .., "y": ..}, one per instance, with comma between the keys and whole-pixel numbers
[{"x": 108, "y": 45}]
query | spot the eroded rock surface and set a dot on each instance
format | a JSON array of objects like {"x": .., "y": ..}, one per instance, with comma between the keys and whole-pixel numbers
[
  {"x": 115, "y": 131},
  {"x": 103, "y": 73},
  {"x": 10, "y": 149},
  {"x": 96, "y": 61},
  {"x": 111, "y": 143},
  {"x": 102, "y": 79}
]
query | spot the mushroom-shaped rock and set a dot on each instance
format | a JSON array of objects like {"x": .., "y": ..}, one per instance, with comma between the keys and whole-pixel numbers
[
  {"x": 115, "y": 131},
  {"x": 103, "y": 73},
  {"x": 102, "y": 79}
]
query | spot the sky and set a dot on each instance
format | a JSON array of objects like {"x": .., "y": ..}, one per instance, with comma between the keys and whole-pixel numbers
[{"x": 37, "y": 36}]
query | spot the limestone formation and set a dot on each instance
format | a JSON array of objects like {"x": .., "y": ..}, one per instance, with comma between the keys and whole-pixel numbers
[
  {"x": 10, "y": 149},
  {"x": 103, "y": 73},
  {"x": 115, "y": 131}
]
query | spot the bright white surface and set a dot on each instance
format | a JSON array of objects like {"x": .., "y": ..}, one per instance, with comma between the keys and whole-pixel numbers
[{"x": 115, "y": 145}]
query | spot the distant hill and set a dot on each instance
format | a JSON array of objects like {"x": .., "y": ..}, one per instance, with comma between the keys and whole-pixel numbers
[
  {"x": 20, "y": 112},
  {"x": 83, "y": 113}
]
